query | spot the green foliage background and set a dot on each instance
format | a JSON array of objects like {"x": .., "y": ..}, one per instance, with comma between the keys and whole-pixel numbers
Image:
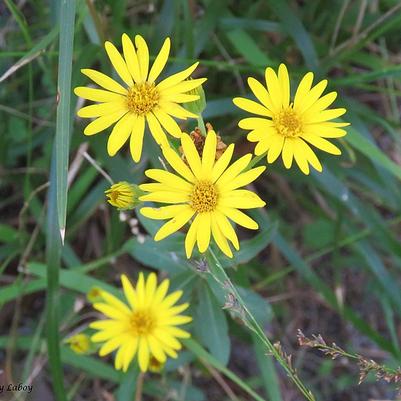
[{"x": 327, "y": 258}]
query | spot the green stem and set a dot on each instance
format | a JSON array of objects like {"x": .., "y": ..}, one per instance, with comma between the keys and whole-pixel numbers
[
  {"x": 222, "y": 278},
  {"x": 255, "y": 160},
  {"x": 201, "y": 125}
]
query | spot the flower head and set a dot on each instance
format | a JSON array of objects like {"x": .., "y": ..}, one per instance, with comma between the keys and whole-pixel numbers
[
  {"x": 203, "y": 189},
  {"x": 289, "y": 128},
  {"x": 146, "y": 326},
  {"x": 140, "y": 100},
  {"x": 123, "y": 195},
  {"x": 79, "y": 343}
]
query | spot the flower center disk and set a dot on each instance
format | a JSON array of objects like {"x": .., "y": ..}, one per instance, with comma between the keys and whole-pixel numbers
[
  {"x": 204, "y": 197},
  {"x": 142, "y": 98},
  {"x": 288, "y": 123},
  {"x": 142, "y": 323}
]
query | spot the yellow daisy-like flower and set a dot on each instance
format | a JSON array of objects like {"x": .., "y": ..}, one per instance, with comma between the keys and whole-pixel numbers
[
  {"x": 146, "y": 326},
  {"x": 205, "y": 189},
  {"x": 123, "y": 195},
  {"x": 289, "y": 128},
  {"x": 140, "y": 100},
  {"x": 79, "y": 343}
]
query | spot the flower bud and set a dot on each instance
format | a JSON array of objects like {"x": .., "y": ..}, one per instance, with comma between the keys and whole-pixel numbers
[
  {"x": 196, "y": 106},
  {"x": 123, "y": 195},
  {"x": 79, "y": 343}
]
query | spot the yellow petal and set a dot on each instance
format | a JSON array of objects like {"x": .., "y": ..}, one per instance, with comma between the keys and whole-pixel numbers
[
  {"x": 220, "y": 239},
  {"x": 176, "y": 332},
  {"x": 326, "y": 115},
  {"x": 98, "y": 95},
  {"x": 103, "y": 122},
  {"x": 244, "y": 178},
  {"x": 143, "y": 56},
  {"x": 184, "y": 86},
  {"x": 303, "y": 90},
  {"x": 101, "y": 109},
  {"x": 165, "y": 197},
  {"x": 131, "y": 58},
  {"x": 180, "y": 97},
  {"x": 111, "y": 345},
  {"x": 203, "y": 232},
  {"x": 274, "y": 88},
  {"x": 227, "y": 229},
  {"x": 190, "y": 238},
  {"x": 129, "y": 353},
  {"x": 261, "y": 94},
  {"x": 233, "y": 170},
  {"x": 222, "y": 163},
  {"x": 255, "y": 123},
  {"x": 104, "y": 81},
  {"x": 177, "y": 164},
  {"x": 160, "y": 61},
  {"x": 169, "y": 179},
  {"x": 110, "y": 311},
  {"x": 162, "y": 213},
  {"x": 309, "y": 155},
  {"x": 150, "y": 287},
  {"x": 120, "y": 133},
  {"x": 175, "y": 110},
  {"x": 176, "y": 78},
  {"x": 191, "y": 154},
  {"x": 171, "y": 299},
  {"x": 322, "y": 144},
  {"x": 161, "y": 291},
  {"x": 240, "y": 218},
  {"x": 118, "y": 63},
  {"x": 156, "y": 130},
  {"x": 288, "y": 152},
  {"x": 168, "y": 123},
  {"x": 275, "y": 148},
  {"x": 241, "y": 199},
  {"x": 143, "y": 354},
  {"x": 324, "y": 131},
  {"x": 311, "y": 97},
  {"x": 136, "y": 140},
  {"x": 129, "y": 291},
  {"x": 174, "y": 224},
  {"x": 156, "y": 349},
  {"x": 299, "y": 156},
  {"x": 209, "y": 154},
  {"x": 115, "y": 302},
  {"x": 251, "y": 107},
  {"x": 321, "y": 104},
  {"x": 284, "y": 81},
  {"x": 140, "y": 290}
]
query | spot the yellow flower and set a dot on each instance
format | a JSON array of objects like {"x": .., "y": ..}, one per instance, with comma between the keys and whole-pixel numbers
[
  {"x": 94, "y": 294},
  {"x": 79, "y": 343},
  {"x": 140, "y": 100},
  {"x": 205, "y": 189},
  {"x": 286, "y": 127},
  {"x": 146, "y": 326},
  {"x": 123, "y": 195},
  {"x": 155, "y": 366}
]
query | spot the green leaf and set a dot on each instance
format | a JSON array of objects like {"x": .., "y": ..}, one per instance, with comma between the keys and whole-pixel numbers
[
  {"x": 211, "y": 325},
  {"x": 63, "y": 119},
  {"x": 246, "y": 46},
  {"x": 292, "y": 24},
  {"x": 372, "y": 152}
]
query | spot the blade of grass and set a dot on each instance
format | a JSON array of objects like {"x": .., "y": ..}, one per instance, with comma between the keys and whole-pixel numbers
[
  {"x": 67, "y": 22},
  {"x": 53, "y": 256}
]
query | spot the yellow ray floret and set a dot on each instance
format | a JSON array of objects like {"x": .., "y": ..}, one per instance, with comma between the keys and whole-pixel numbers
[
  {"x": 138, "y": 100},
  {"x": 286, "y": 128},
  {"x": 145, "y": 326},
  {"x": 204, "y": 191}
]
